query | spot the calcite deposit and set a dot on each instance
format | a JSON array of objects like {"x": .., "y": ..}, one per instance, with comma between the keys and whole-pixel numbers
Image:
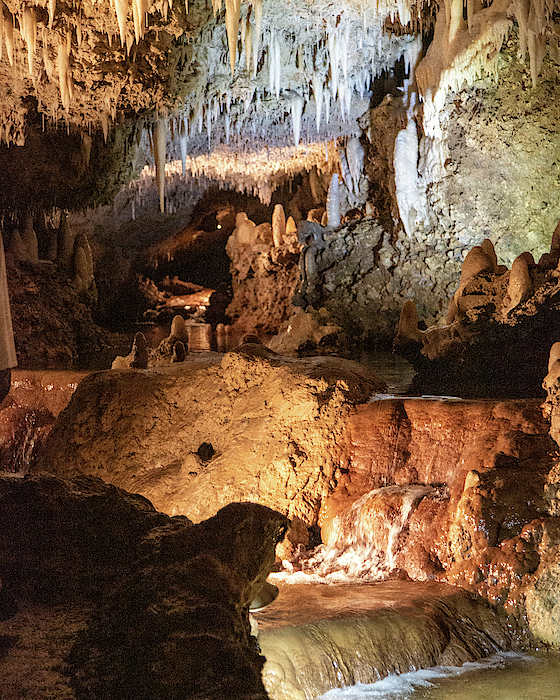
[
  {"x": 273, "y": 424},
  {"x": 104, "y": 597},
  {"x": 265, "y": 276},
  {"x": 496, "y": 334}
]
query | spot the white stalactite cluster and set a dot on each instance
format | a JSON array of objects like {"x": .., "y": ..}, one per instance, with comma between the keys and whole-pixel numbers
[
  {"x": 257, "y": 173},
  {"x": 307, "y": 78},
  {"x": 39, "y": 42}
]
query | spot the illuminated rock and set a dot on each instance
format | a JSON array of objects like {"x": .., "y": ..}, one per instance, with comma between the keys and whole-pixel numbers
[{"x": 520, "y": 283}]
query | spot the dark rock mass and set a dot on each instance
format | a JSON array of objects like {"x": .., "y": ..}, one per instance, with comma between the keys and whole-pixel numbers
[{"x": 104, "y": 597}]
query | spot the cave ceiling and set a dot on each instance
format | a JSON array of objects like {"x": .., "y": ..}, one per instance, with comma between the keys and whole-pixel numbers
[{"x": 257, "y": 88}]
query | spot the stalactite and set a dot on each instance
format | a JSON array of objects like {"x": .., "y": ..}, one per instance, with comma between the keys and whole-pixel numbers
[
  {"x": 248, "y": 44},
  {"x": 257, "y": 7},
  {"x": 29, "y": 34},
  {"x": 183, "y": 145},
  {"x": 121, "y": 9},
  {"x": 233, "y": 8},
  {"x": 454, "y": 9},
  {"x": 62, "y": 64},
  {"x": 160, "y": 143},
  {"x": 318, "y": 94},
  {"x": 1, "y": 32},
  {"x": 537, "y": 52},
  {"x": 521, "y": 10},
  {"x": 296, "y": 106},
  {"x": 9, "y": 37},
  {"x": 52, "y": 11}
]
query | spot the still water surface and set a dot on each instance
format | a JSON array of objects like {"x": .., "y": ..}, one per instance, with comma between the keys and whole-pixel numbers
[{"x": 507, "y": 676}]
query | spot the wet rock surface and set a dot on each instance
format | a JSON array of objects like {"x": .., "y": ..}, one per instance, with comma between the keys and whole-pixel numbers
[
  {"x": 104, "y": 597},
  {"x": 430, "y": 489},
  {"x": 319, "y": 637}
]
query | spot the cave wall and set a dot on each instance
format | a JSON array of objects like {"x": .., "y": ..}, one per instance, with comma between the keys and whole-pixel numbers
[{"x": 500, "y": 149}]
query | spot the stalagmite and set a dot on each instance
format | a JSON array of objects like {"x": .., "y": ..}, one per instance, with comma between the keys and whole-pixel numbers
[
  {"x": 291, "y": 228},
  {"x": 233, "y": 8},
  {"x": 554, "y": 355},
  {"x": 555, "y": 243},
  {"x": 8, "y": 357},
  {"x": 65, "y": 243},
  {"x": 408, "y": 325},
  {"x": 355, "y": 155},
  {"x": 488, "y": 247},
  {"x": 139, "y": 359},
  {"x": 333, "y": 203},
  {"x": 86, "y": 264},
  {"x": 520, "y": 283},
  {"x": 160, "y": 142},
  {"x": 30, "y": 240},
  {"x": 179, "y": 330},
  {"x": 278, "y": 225},
  {"x": 475, "y": 263}
]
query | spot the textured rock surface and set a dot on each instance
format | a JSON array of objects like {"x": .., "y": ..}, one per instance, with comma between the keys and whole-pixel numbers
[
  {"x": 264, "y": 281},
  {"x": 273, "y": 424},
  {"x": 504, "y": 130},
  {"x": 52, "y": 328},
  {"x": 104, "y": 597},
  {"x": 473, "y": 527}
]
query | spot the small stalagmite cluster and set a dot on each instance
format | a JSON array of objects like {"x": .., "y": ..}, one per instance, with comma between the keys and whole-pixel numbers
[
  {"x": 173, "y": 348},
  {"x": 499, "y": 323},
  {"x": 70, "y": 253}
]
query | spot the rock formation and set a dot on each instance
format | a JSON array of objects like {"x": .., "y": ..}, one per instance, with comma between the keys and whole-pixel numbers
[
  {"x": 273, "y": 424},
  {"x": 104, "y": 597},
  {"x": 265, "y": 275},
  {"x": 497, "y": 331}
]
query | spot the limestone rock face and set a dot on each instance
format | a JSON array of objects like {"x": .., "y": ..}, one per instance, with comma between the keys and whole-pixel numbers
[
  {"x": 542, "y": 598},
  {"x": 264, "y": 280},
  {"x": 104, "y": 597},
  {"x": 273, "y": 424},
  {"x": 52, "y": 328}
]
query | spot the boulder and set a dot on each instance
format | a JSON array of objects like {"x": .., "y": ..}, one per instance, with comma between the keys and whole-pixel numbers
[
  {"x": 273, "y": 424},
  {"x": 104, "y": 597}
]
